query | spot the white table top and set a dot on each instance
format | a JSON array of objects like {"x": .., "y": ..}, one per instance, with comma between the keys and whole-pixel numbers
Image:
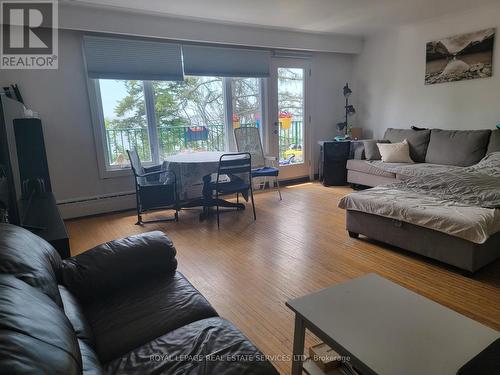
[
  {"x": 196, "y": 157},
  {"x": 393, "y": 330}
]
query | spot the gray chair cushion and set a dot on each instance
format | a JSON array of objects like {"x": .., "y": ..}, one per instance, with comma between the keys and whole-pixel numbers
[
  {"x": 457, "y": 147},
  {"x": 417, "y": 139},
  {"x": 371, "y": 149},
  {"x": 494, "y": 144}
]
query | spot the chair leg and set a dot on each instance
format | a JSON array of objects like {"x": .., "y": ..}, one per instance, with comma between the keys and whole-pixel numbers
[
  {"x": 278, "y": 186},
  {"x": 217, "y": 200},
  {"x": 138, "y": 206},
  {"x": 253, "y": 203},
  {"x": 139, "y": 216},
  {"x": 237, "y": 197}
]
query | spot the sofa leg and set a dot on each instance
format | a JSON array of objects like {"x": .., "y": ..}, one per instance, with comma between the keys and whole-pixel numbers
[{"x": 353, "y": 234}]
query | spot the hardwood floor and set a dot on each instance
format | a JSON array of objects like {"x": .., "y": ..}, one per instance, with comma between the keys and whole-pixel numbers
[{"x": 248, "y": 269}]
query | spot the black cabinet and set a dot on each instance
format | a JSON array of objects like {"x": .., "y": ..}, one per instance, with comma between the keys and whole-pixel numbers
[
  {"x": 333, "y": 161},
  {"x": 31, "y": 155},
  {"x": 38, "y": 208},
  {"x": 41, "y": 216}
]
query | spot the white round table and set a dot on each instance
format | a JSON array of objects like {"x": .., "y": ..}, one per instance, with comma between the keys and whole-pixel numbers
[
  {"x": 190, "y": 168},
  {"x": 192, "y": 171}
]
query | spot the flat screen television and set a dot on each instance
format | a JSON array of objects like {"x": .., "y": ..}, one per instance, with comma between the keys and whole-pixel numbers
[{"x": 10, "y": 184}]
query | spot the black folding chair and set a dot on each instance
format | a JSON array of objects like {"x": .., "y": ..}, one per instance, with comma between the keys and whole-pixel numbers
[
  {"x": 234, "y": 176},
  {"x": 248, "y": 140},
  {"x": 152, "y": 193}
]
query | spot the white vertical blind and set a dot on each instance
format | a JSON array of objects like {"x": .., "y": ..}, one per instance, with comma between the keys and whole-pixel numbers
[
  {"x": 123, "y": 58},
  {"x": 225, "y": 61}
]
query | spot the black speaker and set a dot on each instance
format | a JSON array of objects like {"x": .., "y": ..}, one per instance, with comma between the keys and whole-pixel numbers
[
  {"x": 335, "y": 155},
  {"x": 31, "y": 155}
]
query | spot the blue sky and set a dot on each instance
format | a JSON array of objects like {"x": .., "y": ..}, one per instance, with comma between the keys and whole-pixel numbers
[{"x": 111, "y": 92}]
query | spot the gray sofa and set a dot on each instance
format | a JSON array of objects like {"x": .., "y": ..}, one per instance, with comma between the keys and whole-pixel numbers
[{"x": 433, "y": 150}]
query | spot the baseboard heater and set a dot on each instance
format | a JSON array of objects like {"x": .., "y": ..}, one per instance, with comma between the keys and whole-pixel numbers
[
  {"x": 86, "y": 206},
  {"x": 100, "y": 204}
]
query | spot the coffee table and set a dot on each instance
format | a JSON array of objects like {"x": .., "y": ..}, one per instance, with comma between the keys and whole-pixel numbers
[{"x": 387, "y": 329}]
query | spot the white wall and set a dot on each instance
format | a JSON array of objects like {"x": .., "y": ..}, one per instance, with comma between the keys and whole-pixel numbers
[
  {"x": 85, "y": 17},
  {"x": 390, "y": 79},
  {"x": 330, "y": 72},
  {"x": 61, "y": 98}
]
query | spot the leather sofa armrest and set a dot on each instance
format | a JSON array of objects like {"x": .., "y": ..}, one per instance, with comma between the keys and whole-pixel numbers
[{"x": 117, "y": 264}]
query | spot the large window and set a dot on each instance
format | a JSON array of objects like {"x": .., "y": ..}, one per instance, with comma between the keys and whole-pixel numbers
[
  {"x": 189, "y": 115},
  {"x": 161, "y": 118},
  {"x": 246, "y": 95},
  {"x": 125, "y": 122}
]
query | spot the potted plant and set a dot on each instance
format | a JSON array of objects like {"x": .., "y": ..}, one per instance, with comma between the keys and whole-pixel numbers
[
  {"x": 285, "y": 120},
  {"x": 236, "y": 121}
]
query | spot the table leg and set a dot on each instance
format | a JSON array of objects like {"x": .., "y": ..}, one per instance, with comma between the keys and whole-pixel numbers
[{"x": 298, "y": 345}]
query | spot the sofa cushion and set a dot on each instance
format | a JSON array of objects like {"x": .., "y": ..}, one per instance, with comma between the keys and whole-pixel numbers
[
  {"x": 31, "y": 259},
  {"x": 457, "y": 147},
  {"x": 142, "y": 312},
  {"x": 372, "y": 151},
  {"x": 405, "y": 171},
  {"x": 75, "y": 314},
  {"x": 114, "y": 265},
  {"x": 209, "y": 347},
  {"x": 366, "y": 166},
  {"x": 35, "y": 335},
  {"x": 417, "y": 139},
  {"x": 90, "y": 361},
  {"x": 494, "y": 143}
]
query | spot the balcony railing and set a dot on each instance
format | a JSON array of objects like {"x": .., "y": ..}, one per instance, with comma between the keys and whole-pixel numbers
[
  {"x": 175, "y": 139},
  {"x": 291, "y": 143}
]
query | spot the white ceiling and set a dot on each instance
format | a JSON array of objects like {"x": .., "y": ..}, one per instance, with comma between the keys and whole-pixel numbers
[{"x": 357, "y": 17}]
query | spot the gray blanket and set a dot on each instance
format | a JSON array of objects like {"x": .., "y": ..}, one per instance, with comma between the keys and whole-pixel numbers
[{"x": 478, "y": 185}]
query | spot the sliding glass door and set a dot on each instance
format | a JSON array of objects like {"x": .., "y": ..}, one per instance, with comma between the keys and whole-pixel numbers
[{"x": 288, "y": 130}]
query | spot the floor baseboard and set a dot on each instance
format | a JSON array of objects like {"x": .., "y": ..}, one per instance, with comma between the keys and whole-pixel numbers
[{"x": 96, "y": 205}]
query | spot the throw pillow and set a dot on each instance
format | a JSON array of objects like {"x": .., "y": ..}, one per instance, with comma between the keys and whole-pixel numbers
[
  {"x": 395, "y": 152},
  {"x": 371, "y": 149}
]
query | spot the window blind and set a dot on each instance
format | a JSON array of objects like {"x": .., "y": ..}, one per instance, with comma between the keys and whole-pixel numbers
[
  {"x": 225, "y": 61},
  {"x": 122, "y": 58}
]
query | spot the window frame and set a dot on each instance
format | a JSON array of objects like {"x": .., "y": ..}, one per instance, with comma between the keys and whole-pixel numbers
[
  {"x": 97, "y": 114},
  {"x": 97, "y": 119}
]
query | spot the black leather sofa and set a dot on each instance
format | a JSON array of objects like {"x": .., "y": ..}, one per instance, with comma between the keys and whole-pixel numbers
[{"x": 120, "y": 308}]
